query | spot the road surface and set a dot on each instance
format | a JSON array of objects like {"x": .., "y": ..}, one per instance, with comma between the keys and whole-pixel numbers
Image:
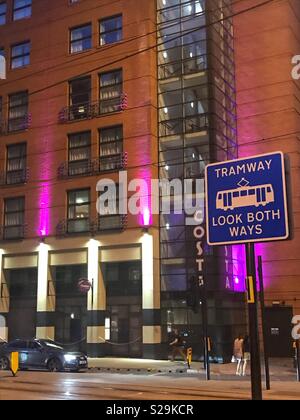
[{"x": 105, "y": 386}]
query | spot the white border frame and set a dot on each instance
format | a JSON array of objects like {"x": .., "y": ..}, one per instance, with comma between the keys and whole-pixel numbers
[{"x": 284, "y": 194}]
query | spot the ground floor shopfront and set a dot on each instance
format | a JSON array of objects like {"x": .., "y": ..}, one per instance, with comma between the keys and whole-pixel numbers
[
  {"x": 127, "y": 313},
  {"x": 119, "y": 316}
]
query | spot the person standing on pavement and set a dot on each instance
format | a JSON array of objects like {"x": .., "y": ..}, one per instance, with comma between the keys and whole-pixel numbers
[
  {"x": 246, "y": 353},
  {"x": 177, "y": 345},
  {"x": 238, "y": 353}
]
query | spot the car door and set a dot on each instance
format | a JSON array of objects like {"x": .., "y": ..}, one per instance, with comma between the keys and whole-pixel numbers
[
  {"x": 21, "y": 347},
  {"x": 36, "y": 355}
]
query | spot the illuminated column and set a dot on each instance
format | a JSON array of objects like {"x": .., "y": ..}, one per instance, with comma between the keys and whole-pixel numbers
[
  {"x": 4, "y": 302},
  {"x": 45, "y": 304},
  {"x": 96, "y": 303},
  {"x": 151, "y": 296}
]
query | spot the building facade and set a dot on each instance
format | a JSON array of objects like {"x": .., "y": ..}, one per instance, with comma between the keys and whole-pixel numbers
[{"x": 146, "y": 90}]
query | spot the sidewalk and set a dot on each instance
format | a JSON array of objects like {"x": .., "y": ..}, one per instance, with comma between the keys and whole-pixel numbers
[{"x": 280, "y": 369}]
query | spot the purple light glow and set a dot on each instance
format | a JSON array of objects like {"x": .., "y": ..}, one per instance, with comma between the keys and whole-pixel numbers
[
  {"x": 44, "y": 220},
  {"x": 146, "y": 217},
  {"x": 239, "y": 268}
]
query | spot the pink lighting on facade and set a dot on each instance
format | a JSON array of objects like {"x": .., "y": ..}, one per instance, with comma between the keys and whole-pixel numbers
[
  {"x": 44, "y": 201},
  {"x": 146, "y": 217},
  {"x": 239, "y": 268}
]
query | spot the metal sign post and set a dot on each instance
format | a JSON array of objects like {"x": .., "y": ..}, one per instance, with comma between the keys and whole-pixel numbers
[
  {"x": 253, "y": 324},
  {"x": 246, "y": 203},
  {"x": 263, "y": 320}
]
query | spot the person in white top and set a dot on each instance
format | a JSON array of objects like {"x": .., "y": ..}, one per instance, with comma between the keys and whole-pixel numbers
[{"x": 238, "y": 352}]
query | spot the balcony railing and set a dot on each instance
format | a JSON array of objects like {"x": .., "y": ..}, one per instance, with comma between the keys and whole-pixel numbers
[
  {"x": 17, "y": 177},
  {"x": 92, "y": 110},
  {"x": 15, "y": 125},
  {"x": 112, "y": 223},
  {"x": 92, "y": 167},
  {"x": 15, "y": 232},
  {"x": 105, "y": 224}
]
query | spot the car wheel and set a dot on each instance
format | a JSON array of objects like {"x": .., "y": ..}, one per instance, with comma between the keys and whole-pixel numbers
[
  {"x": 54, "y": 365},
  {"x": 4, "y": 363}
]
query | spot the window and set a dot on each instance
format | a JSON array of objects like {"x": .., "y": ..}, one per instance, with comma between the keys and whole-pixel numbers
[
  {"x": 3, "y": 10},
  {"x": 20, "y": 55},
  {"x": 111, "y": 86},
  {"x": 14, "y": 218},
  {"x": 110, "y": 219},
  {"x": 78, "y": 211},
  {"x": 244, "y": 193},
  {"x": 18, "y": 345},
  {"x": 80, "y": 98},
  {"x": 81, "y": 39},
  {"x": 111, "y": 148},
  {"x": 79, "y": 153},
  {"x": 22, "y": 9},
  {"x": 16, "y": 164},
  {"x": 18, "y": 112},
  {"x": 111, "y": 30}
]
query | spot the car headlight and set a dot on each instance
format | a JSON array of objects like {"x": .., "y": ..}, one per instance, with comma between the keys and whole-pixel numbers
[{"x": 69, "y": 358}]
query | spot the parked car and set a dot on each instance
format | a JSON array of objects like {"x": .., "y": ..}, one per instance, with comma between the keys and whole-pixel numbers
[{"x": 42, "y": 354}]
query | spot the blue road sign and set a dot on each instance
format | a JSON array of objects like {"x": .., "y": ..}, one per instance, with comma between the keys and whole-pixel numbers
[{"x": 246, "y": 200}]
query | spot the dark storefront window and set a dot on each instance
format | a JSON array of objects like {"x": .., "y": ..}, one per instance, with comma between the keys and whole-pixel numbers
[
  {"x": 22, "y": 288},
  {"x": 123, "y": 279},
  {"x": 71, "y": 306},
  {"x": 124, "y": 320},
  {"x": 78, "y": 211}
]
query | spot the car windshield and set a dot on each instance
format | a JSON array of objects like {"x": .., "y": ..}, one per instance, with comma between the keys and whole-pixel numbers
[{"x": 51, "y": 344}]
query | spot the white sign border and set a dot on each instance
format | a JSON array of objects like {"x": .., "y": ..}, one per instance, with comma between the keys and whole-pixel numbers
[{"x": 284, "y": 194}]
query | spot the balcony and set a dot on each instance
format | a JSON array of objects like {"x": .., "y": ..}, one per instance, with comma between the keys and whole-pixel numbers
[
  {"x": 92, "y": 167},
  {"x": 12, "y": 178},
  {"x": 15, "y": 232},
  {"x": 15, "y": 125},
  {"x": 111, "y": 223},
  {"x": 74, "y": 226},
  {"x": 104, "y": 224},
  {"x": 92, "y": 110}
]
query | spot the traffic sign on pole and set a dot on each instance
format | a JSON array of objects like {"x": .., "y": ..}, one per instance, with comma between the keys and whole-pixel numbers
[{"x": 246, "y": 200}]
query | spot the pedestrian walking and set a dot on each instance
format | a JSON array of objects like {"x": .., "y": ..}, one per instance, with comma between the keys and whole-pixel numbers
[
  {"x": 177, "y": 345},
  {"x": 238, "y": 353},
  {"x": 246, "y": 353}
]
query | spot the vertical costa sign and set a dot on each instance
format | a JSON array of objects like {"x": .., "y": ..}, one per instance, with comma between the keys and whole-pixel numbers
[{"x": 199, "y": 235}]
